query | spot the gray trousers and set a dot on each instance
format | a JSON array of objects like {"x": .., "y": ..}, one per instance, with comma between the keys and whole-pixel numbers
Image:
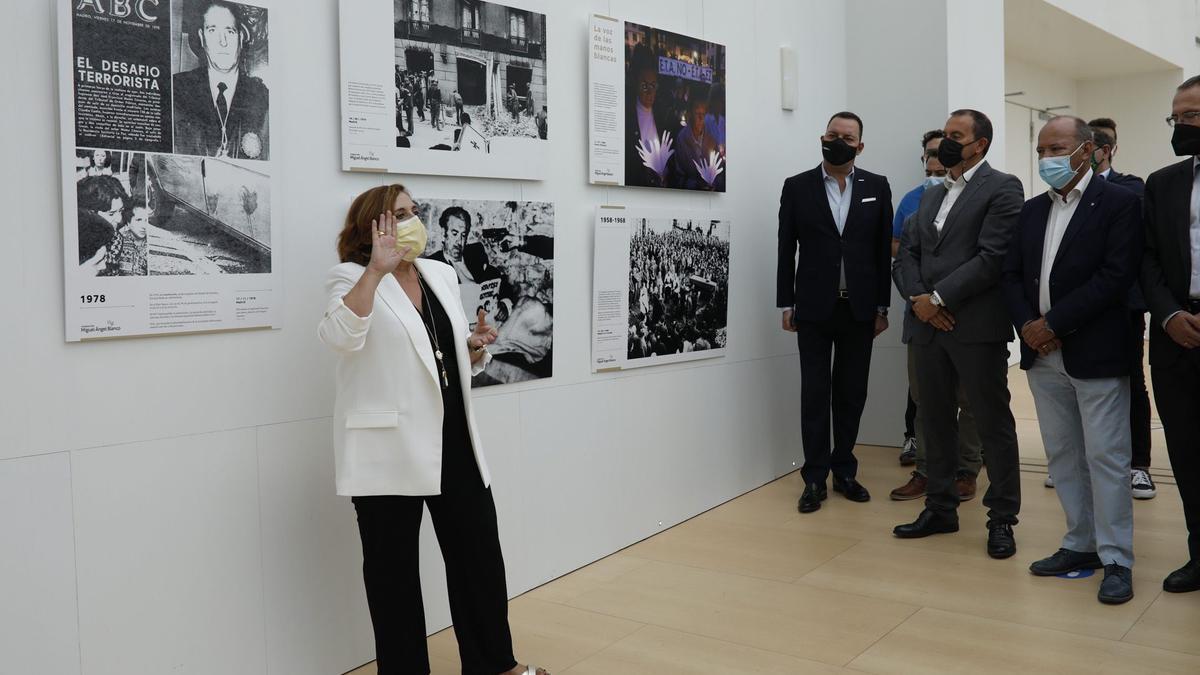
[
  {"x": 1085, "y": 428},
  {"x": 981, "y": 369},
  {"x": 970, "y": 450}
]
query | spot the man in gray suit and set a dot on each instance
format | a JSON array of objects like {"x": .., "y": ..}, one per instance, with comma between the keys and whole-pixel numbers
[{"x": 951, "y": 258}]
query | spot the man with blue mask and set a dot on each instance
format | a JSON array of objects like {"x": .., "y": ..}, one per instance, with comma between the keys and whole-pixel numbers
[
  {"x": 1066, "y": 281},
  {"x": 970, "y": 451}
]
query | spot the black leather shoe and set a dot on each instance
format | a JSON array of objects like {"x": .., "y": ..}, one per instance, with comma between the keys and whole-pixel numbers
[
  {"x": 929, "y": 522},
  {"x": 852, "y": 489},
  {"x": 1001, "y": 542},
  {"x": 1117, "y": 586},
  {"x": 1065, "y": 561},
  {"x": 1185, "y": 579},
  {"x": 814, "y": 494}
]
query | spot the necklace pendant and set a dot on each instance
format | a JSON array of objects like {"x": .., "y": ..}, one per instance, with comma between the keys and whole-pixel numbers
[
  {"x": 438, "y": 354},
  {"x": 445, "y": 380}
]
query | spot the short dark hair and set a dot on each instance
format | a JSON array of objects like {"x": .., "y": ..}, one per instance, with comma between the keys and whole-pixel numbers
[
  {"x": 1193, "y": 81},
  {"x": 1105, "y": 123},
  {"x": 1101, "y": 136},
  {"x": 697, "y": 95},
  {"x": 847, "y": 115},
  {"x": 981, "y": 125},
  {"x": 930, "y": 135},
  {"x": 642, "y": 60},
  {"x": 194, "y": 23},
  {"x": 455, "y": 212},
  {"x": 96, "y": 193}
]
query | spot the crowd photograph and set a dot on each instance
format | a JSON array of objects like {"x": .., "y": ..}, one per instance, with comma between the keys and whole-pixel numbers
[{"x": 678, "y": 287}]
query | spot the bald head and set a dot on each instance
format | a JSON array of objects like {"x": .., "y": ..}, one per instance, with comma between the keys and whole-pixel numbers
[{"x": 1066, "y": 127}]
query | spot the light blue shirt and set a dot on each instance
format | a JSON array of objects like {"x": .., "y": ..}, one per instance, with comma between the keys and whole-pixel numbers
[{"x": 839, "y": 200}]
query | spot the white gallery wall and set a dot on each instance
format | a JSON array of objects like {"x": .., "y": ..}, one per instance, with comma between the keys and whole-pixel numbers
[{"x": 166, "y": 504}]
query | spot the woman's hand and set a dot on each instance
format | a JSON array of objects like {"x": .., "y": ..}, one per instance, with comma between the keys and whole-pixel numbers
[
  {"x": 483, "y": 335},
  {"x": 384, "y": 256}
]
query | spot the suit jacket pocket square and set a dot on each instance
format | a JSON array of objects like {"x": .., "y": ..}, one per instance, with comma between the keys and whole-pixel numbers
[{"x": 867, "y": 199}]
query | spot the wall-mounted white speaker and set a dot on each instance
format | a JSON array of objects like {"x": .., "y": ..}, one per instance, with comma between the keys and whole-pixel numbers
[{"x": 789, "y": 86}]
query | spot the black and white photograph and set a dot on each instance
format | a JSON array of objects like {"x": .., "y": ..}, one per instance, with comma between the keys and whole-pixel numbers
[
  {"x": 208, "y": 216},
  {"x": 678, "y": 286},
  {"x": 467, "y": 72},
  {"x": 219, "y": 60},
  {"x": 112, "y": 213},
  {"x": 503, "y": 252},
  {"x": 674, "y": 110},
  {"x": 166, "y": 167}
]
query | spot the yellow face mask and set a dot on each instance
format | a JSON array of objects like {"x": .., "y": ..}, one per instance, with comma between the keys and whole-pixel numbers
[{"x": 412, "y": 233}]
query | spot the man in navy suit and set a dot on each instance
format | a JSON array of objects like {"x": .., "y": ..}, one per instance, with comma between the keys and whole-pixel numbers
[
  {"x": 834, "y": 297},
  {"x": 1066, "y": 282},
  {"x": 221, "y": 111},
  {"x": 1105, "y": 130}
]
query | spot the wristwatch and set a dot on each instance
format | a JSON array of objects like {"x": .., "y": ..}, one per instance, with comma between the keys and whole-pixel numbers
[
  {"x": 882, "y": 311},
  {"x": 936, "y": 300}
]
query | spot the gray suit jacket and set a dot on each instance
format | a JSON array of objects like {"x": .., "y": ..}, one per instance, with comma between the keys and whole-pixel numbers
[{"x": 964, "y": 262}]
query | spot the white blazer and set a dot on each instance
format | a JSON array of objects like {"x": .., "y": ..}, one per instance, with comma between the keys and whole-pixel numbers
[{"x": 387, "y": 416}]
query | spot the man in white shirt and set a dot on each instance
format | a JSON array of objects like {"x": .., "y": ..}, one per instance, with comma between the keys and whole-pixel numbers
[
  {"x": 1066, "y": 283},
  {"x": 951, "y": 257},
  {"x": 1171, "y": 283}
]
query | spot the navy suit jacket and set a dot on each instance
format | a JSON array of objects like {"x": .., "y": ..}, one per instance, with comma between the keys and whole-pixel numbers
[
  {"x": 809, "y": 283},
  {"x": 1092, "y": 273},
  {"x": 1137, "y": 301}
]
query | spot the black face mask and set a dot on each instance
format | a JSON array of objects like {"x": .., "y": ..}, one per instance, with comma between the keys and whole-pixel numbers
[
  {"x": 837, "y": 152},
  {"x": 949, "y": 152},
  {"x": 1186, "y": 140}
]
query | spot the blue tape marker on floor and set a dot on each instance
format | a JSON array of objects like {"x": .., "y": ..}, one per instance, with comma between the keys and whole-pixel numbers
[{"x": 1077, "y": 574}]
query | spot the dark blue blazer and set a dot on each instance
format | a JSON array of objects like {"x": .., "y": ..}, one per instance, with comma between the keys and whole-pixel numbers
[
  {"x": 1094, "y": 268},
  {"x": 811, "y": 250},
  {"x": 1137, "y": 301}
]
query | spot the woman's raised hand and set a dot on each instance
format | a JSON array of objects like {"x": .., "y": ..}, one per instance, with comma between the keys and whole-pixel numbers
[{"x": 384, "y": 256}]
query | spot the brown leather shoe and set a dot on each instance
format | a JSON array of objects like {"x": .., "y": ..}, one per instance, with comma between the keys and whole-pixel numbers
[
  {"x": 913, "y": 489},
  {"x": 965, "y": 486}
]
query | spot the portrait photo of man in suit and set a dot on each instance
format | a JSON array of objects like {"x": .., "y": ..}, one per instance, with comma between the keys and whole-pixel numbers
[{"x": 220, "y": 108}]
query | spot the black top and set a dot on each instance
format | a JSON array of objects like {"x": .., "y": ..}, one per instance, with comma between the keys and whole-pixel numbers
[{"x": 459, "y": 469}]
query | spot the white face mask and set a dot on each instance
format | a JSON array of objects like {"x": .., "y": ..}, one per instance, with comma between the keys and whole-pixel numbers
[
  {"x": 411, "y": 233},
  {"x": 931, "y": 181}
]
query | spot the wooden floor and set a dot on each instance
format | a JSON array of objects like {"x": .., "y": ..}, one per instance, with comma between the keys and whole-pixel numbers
[{"x": 755, "y": 587}]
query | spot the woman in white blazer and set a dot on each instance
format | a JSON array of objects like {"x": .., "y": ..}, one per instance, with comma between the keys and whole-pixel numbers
[{"x": 405, "y": 436}]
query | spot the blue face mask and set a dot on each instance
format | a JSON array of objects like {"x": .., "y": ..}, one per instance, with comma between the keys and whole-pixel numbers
[
  {"x": 933, "y": 181},
  {"x": 1057, "y": 171}
]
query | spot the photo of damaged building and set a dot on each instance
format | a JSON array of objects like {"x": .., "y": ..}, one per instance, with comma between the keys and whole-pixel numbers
[{"x": 468, "y": 71}]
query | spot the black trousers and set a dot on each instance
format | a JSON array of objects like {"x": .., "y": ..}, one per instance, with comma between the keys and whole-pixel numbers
[
  {"x": 910, "y": 417},
  {"x": 835, "y": 367},
  {"x": 1139, "y": 398},
  {"x": 1177, "y": 393},
  {"x": 982, "y": 370},
  {"x": 465, "y": 523}
]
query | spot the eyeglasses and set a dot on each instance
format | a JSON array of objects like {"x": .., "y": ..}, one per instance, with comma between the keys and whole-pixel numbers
[
  {"x": 1191, "y": 117},
  {"x": 648, "y": 86}
]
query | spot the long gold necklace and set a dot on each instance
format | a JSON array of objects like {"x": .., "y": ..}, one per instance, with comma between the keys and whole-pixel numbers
[{"x": 431, "y": 329}]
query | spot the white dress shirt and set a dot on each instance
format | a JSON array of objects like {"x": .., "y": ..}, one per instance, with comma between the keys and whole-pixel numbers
[
  {"x": 839, "y": 205},
  {"x": 1194, "y": 286},
  {"x": 1062, "y": 209},
  {"x": 954, "y": 188}
]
